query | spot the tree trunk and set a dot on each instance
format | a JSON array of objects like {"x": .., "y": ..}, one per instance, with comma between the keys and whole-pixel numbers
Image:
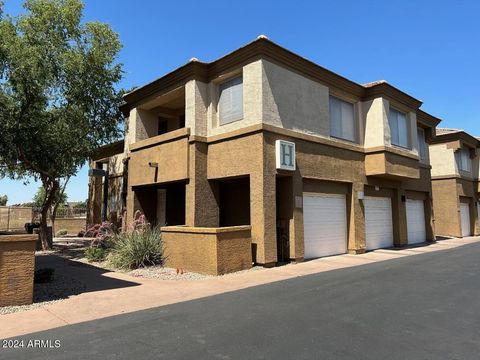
[
  {"x": 44, "y": 229},
  {"x": 53, "y": 214},
  {"x": 51, "y": 188}
]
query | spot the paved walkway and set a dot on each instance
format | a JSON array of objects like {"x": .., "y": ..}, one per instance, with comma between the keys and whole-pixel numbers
[{"x": 111, "y": 293}]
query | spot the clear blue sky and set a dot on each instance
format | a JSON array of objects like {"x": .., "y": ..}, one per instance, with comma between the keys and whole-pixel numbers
[{"x": 429, "y": 49}]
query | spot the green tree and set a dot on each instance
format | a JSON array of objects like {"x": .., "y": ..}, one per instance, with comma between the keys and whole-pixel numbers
[
  {"x": 58, "y": 95},
  {"x": 58, "y": 202},
  {"x": 3, "y": 200}
]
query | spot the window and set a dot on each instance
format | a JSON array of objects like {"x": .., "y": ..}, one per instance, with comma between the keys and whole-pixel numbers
[
  {"x": 342, "y": 119},
  {"x": 422, "y": 146},
  {"x": 464, "y": 162},
  {"x": 398, "y": 128},
  {"x": 230, "y": 102}
]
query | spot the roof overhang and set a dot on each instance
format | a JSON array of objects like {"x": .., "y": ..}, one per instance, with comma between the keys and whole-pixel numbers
[
  {"x": 108, "y": 150},
  {"x": 461, "y": 136},
  {"x": 262, "y": 48}
]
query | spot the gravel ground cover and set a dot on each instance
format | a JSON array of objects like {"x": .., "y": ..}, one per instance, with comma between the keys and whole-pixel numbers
[
  {"x": 59, "y": 289},
  {"x": 73, "y": 248},
  {"x": 62, "y": 287}
]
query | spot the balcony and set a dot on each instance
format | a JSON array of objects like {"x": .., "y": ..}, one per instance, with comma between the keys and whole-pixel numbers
[
  {"x": 392, "y": 164},
  {"x": 159, "y": 159}
]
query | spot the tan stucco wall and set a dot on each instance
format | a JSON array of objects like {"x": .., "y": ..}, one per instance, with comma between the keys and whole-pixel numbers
[
  {"x": 197, "y": 100},
  {"x": 171, "y": 157},
  {"x": 447, "y": 196},
  {"x": 442, "y": 160},
  {"x": 141, "y": 125},
  {"x": 391, "y": 165},
  {"x": 377, "y": 132},
  {"x": 72, "y": 225},
  {"x": 293, "y": 101},
  {"x": 252, "y": 101},
  {"x": 212, "y": 251},
  {"x": 17, "y": 266},
  {"x": 446, "y": 205},
  {"x": 245, "y": 156},
  {"x": 279, "y": 97}
]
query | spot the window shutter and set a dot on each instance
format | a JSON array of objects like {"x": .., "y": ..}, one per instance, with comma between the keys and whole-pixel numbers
[
  {"x": 402, "y": 130},
  {"x": 393, "y": 122},
  {"x": 348, "y": 122},
  {"x": 422, "y": 146},
  {"x": 335, "y": 117},
  {"x": 342, "y": 122},
  {"x": 398, "y": 128},
  {"x": 230, "y": 104}
]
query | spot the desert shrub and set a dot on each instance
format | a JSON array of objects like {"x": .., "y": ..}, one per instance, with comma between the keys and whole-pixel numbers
[
  {"x": 103, "y": 234},
  {"x": 137, "y": 248},
  {"x": 96, "y": 253},
  {"x": 139, "y": 223},
  {"x": 61, "y": 232},
  {"x": 44, "y": 275}
]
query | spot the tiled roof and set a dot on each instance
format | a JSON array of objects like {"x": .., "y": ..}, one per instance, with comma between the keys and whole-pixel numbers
[
  {"x": 373, "y": 83},
  {"x": 442, "y": 131}
]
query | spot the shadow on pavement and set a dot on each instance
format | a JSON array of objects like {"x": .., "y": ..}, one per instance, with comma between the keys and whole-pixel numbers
[{"x": 73, "y": 278}]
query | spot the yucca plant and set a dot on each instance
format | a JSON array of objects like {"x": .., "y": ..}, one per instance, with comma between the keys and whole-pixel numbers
[{"x": 134, "y": 249}]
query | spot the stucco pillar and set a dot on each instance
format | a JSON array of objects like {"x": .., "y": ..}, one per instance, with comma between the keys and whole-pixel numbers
[
  {"x": 399, "y": 211},
  {"x": 297, "y": 249},
  {"x": 476, "y": 220},
  {"x": 201, "y": 206},
  {"x": 356, "y": 229},
  {"x": 263, "y": 217},
  {"x": 429, "y": 218}
]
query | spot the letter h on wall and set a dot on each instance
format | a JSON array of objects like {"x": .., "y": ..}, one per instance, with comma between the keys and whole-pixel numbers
[{"x": 285, "y": 155}]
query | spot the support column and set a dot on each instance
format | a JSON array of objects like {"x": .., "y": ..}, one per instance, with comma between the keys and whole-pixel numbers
[
  {"x": 429, "y": 218},
  {"x": 399, "y": 212},
  {"x": 356, "y": 229},
  {"x": 201, "y": 205},
  {"x": 475, "y": 214},
  {"x": 263, "y": 217},
  {"x": 297, "y": 248}
]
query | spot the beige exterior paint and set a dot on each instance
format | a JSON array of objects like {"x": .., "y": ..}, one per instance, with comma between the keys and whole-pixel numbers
[
  {"x": 377, "y": 132},
  {"x": 452, "y": 186},
  {"x": 442, "y": 159},
  {"x": 278, "y": 103},
  {"x": 210, "y": 251},
  {"x": 294, "y": 102}
]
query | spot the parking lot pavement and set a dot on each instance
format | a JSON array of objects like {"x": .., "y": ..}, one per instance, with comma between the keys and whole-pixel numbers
[{"x": 113, "y": 293}]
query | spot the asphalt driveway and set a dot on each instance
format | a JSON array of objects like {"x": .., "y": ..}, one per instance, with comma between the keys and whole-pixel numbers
[{"x": 416, "y": 307}]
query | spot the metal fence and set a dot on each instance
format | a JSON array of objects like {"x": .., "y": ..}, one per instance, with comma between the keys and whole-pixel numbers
[{"x": 13, "y": 218}]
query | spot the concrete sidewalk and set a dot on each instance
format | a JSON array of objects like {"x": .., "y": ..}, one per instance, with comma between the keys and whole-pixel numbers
[{"x": 111, "y": 293}]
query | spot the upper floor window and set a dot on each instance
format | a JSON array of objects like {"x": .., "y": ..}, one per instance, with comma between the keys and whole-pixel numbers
[
  {"x": 230, "y": 102},
  {"x": 422, "y": 145},
  {"x": 463, "y": 160},
  {"x": 398, "y": 128},
  {"x": 342, "y": 119}
]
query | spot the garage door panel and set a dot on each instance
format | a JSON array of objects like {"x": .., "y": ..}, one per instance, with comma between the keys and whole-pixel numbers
[
  {"x": 416, "y": 230},
  {"x": 378, "y": 222},
  {"x": 325, "y": 225},
  {"x": 465, "y": 219}
]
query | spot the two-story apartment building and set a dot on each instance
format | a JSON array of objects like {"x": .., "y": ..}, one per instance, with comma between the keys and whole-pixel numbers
[
  {"x": 455, "y": 174},
  {"x": 310, "y": 163}
]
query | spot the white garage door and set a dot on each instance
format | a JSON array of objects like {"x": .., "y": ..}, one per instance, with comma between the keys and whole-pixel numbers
[
  {"x": 378, "y": 222},
  {"x": 325, "y": 224},
  {"x": 416, "y": 221},
  {"x": 465, "y": 219}
]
